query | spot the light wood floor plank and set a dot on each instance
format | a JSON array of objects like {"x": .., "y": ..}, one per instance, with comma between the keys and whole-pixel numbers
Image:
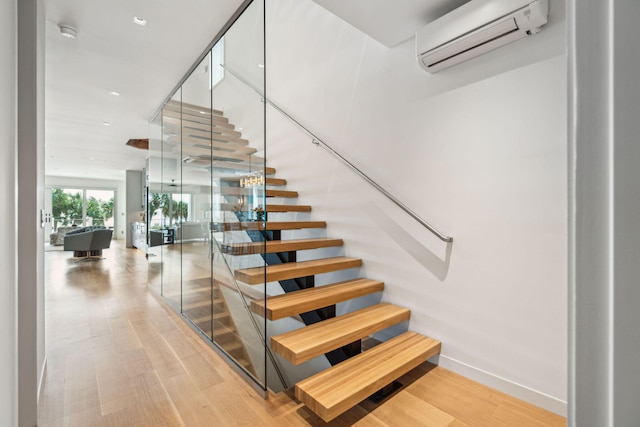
[{"x": 117, "y": 356}]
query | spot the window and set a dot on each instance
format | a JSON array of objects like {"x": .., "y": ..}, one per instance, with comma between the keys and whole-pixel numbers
[
  {"x": 82, "y": 207},
  {"x": 217, "y": 59}
]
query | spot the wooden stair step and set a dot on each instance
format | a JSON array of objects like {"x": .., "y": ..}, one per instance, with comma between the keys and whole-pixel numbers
[
  {"x": 188, "y": 117},
  {"x": 221, "y": 330},
  {"x": 219, "y": 316},
  {"x": 231, "y": 147},
  {"x": 168, "y": 121},
  {"x": 177, "y": 138},
  {"x": 241, "y": 191},
  {"x": 232, "y": 346},
  {"x": 239, "y": 143},
  {"x": 288, "y": 208},
  {"x": 219, "y": 145},
  {"x": 216, "y": 154},
  {"x": 207, "y": 144},
  {"x": 304, "y": 300},
  {"x": 209, "y": 129},
  {"x": 292, "y": 270},
  {"x": 275, "y": 246},
  {"x": 304, "y": 344},
  {"x": 204, "y": 302},
  {"x": 219, "y": 164},
  {"x": 281, "y": 193},
  {"x": 188, "y": 132},
  {"x": 185, "y": 106},
  {"x": 270, "y": 208},
  {"x": 334, "y": 391},
  {"x": 270, "y": 225},
  {"x": 269, "y": 180}
]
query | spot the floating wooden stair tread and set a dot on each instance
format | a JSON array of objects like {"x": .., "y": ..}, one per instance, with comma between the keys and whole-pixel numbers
[
  {"x": 216, "y": 164},
  {"x": 332, "y": 392},
  {"x": 270, "y": 225},
  {"x": 218, "y": 145},
  {"x": 269, "y": 180},
  {"x": 292, "y": 270},
  {"x": 172, "y": 122},
  {"x": 205, "y": 138},
  {"x": 292, "y": 303},
  {"x": 240, "y": 191},
  {"x": 275, "y": 246},
  {"x": 281, "y": 193},
  {"x": 270, "y": 208},
  {"x": 304, "y": 344},
  {"x": 216, "y": 154},
  {"x": 211, "y": 134},
  {"x": 288, "y": 208},
  {"x": 196, "y": 109},
  {"x": 208, "y": 130},
  {"x": 192, "y": 118}
]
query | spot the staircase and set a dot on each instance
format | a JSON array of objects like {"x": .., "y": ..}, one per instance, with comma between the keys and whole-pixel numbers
[{"x": 355, "y": 375}]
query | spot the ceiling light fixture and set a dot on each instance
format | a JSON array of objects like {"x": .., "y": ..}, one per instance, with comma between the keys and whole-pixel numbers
[
  {"x": 106, "y": 123},
  {"x": 261, "y": 65},
  {"x": 68, "y": 31},
  {"x": 140, "y": 21},
  {"x": 114, "y": 93}
]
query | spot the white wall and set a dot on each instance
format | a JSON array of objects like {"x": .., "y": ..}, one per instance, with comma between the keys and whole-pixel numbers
[
  {"x": 134, "y": 202},
  {"x": 479, "y": 151},
  {"x": 8, "y": 206},
  {"x": 98, "y": 184}
]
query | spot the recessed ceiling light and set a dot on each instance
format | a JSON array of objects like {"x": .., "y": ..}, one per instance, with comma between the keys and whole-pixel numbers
[
  {"x": 203, "y": 112},
  {"x": 261, "y": 65},
  {"x": 92, "y": 158},
  {"x": 139, "y": 21},
  {"x": 106, "y": 123},
  {"x": 68, "y": 31},
  {"x": 114, "y": 93}
]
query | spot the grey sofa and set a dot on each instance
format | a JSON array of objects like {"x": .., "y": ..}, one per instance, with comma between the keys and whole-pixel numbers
[{"x": 88, "y": 242}]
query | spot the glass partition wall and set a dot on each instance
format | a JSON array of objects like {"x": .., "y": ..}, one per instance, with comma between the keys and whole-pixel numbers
[{"x": 206, "y": 199}]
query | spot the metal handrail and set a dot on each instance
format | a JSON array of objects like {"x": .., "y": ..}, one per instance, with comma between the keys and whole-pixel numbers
[
  {"x": 246, "y": 306},
  {"x": 318, "y": 141}
]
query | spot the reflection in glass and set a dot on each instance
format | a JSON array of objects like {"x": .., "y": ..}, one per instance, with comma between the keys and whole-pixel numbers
[
  {"x": 157, "y": 234},
  {"x": 192, "y": 207},
  {"x": 170, "y": 185},
  {"x": 207, "y": 207}
]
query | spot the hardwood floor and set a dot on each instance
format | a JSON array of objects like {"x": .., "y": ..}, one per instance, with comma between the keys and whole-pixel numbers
[{"x": 118, "y": 357}]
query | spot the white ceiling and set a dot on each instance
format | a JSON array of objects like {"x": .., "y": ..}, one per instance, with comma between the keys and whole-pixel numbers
[
  {"x": 144, "y": 64},
  {"x": 390, "y": 22},
  {"x": 111, "y": 53}
]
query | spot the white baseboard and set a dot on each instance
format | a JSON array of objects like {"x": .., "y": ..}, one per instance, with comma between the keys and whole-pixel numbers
[
  {"x": 43, "y": 372},
  {"x": 519, "y": 391}
]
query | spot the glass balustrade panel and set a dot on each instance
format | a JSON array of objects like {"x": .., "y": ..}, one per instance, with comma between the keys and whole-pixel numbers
[
  {"x": 239, "y": 212},
  {"x": 194, "y": 206},
  {"x": 156, "y": 235},
  {"x": 170, "y": 195}
]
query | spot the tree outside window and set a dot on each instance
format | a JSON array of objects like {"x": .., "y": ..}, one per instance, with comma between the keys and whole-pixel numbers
[{"x": 69, "y": 205}]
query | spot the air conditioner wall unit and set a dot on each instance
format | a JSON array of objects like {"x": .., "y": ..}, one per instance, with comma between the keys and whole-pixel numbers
[{"x": 475, "y": 28}]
